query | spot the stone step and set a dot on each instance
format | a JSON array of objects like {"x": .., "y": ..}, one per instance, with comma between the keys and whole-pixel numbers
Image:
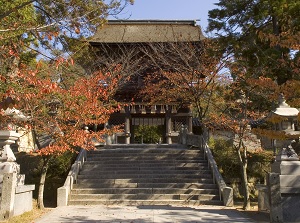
[
  {"x": 143, "y": 154},
  {"x": 98, "y": 171},
  {"x": 144, "y": 162},
  {"x": 92, "y": 182},
  {"x": 144, "y": 196},
  {"x": 145, "y": 165},
  {"x": 141, "y": 160},
  {"x": 153, "y": 148},
  {"x": 143, "y": 191},
  {"x": 125, "y": 152},
  {"x": 138, "y": 176},
  {"x": 145, "y": 202},
  {"x": 169, "y": 153},
  {"x": 144, "y": 157},
  {"x": 143, "y": 168},
  {"x": 145, "y": 175},
  {"x": 145, "y": 147},
  {"x": 147, "y": 185}
]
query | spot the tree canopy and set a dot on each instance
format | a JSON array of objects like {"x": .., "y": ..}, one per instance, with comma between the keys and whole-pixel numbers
[
  {"x": 261, "y": 41},
  {"x": 38, "y": 77},
  {"x": 262, "y": 36},
  {"x": 186, "y": 73}
]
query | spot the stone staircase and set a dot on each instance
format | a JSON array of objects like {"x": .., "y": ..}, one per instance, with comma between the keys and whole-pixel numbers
[{"x": 145, "y": 175}]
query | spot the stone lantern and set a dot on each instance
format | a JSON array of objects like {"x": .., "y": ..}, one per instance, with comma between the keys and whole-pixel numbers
[
  {"x": 287, "y": 123},
  {"x": 283, "y": 180},
  {"x": 15, "y": 196},
  {"x": 6, "y": 139},
  {"x": 7, "y": 158}
]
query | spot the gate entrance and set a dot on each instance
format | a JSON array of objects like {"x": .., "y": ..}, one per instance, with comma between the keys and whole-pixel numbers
[
  {"x": 141, "y": 116},
  {"x": 150, "y": 124},
  {"x": 148, "y": 130}
]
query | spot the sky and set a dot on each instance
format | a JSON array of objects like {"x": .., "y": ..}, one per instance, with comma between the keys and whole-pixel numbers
[{"x": 170, "y": 10}]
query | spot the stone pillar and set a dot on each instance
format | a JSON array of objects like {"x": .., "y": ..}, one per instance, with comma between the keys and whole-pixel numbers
[
  {"x": 127, "y": 129},
  {"x": 168, "y": 128},
  {"x": 284, "y": 187},
  {"x": 263, "y": 197},
  {"x": 108, "y": 140},
  {"x": 275, "y": 198},
  {"x": 183, "y": 134},
  {"x": 107, "y": 136},
  {"x": 8, "y": 195}
]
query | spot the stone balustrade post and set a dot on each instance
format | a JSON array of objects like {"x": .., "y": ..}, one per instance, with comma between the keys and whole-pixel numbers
[
  {"x": 275, "y": 198},
  {"x": 8, "y": 195},
  {"x": 184, "y": 134}
]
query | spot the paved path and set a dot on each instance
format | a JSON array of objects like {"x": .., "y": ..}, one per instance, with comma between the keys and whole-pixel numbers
[{"x": 145, "y": 214}]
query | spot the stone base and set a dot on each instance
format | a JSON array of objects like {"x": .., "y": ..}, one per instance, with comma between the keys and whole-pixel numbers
[
  {"x": 286, "y": 167},
  {"x": 263, "y": 197},
  {"x": 290, "y": 207},
  {"x": 23, "y": 199},
  {"x": 15, "y": 199},
  {"x": 288, "y": 188}
]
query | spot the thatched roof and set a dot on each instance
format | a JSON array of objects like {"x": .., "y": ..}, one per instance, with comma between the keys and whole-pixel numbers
[{"x": 145, "y": 31}]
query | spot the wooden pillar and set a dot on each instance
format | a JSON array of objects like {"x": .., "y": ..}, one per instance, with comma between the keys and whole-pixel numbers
[
  {"x": 168, "y": 128},
  {"x": 190, "y": 124},
  {"x": 127, "y": 129},
  {"x": 190, "y": 120}
]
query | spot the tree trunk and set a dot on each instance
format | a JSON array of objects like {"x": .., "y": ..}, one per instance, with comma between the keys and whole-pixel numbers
[
  {"x": 246, "y": 205},
  {"x": 40, "y": 201},
  {"x": 244, "y": 164}
]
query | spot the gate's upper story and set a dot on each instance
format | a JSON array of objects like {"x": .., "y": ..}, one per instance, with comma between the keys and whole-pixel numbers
[{"x": 134, "y": 43}]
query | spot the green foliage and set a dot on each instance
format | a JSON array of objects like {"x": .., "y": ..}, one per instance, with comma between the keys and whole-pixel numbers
[
  {"x": 148, "y": 134},
  {"x": 40, "y": 27},
  {"x": 225, "y": 157},
  {"x": 14, "y": 38},
  {"x": 256, "y": 34},
  {"x": 15, "y": 16},
  {"x": 227, "y": 161},
  {"x": 59, "y": 167}
]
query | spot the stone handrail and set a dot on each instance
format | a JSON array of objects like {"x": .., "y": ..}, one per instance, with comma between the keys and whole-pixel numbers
[
  {"x": 64, "y": 191},
  {"x": 226, "y": 193}
]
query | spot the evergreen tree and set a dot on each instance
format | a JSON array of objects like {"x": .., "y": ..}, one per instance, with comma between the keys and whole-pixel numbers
[{"x": 261, "y": 36}]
